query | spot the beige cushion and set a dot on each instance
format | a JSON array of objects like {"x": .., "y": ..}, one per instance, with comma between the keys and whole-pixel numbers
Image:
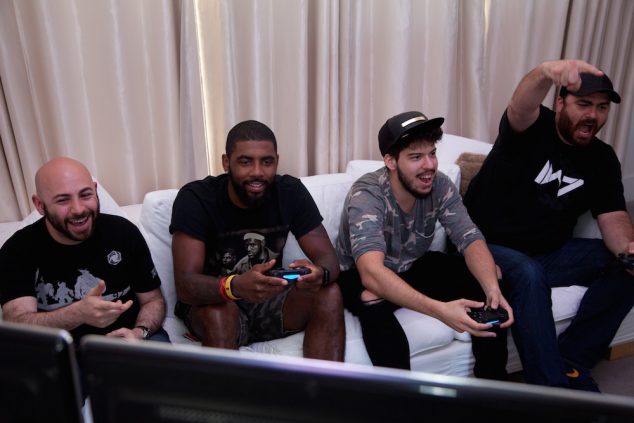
[{"x": 470, "y": 164}]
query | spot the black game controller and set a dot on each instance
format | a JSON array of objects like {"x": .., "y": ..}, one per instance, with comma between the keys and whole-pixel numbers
[
  {"x": 627, "y": 260},
  {"x": 288, "y": 274},
  {"x": 488, "y": 315}
]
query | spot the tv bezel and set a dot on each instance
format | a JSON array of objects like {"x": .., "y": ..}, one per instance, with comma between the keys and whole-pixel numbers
[{"x": 175, "y": 382}]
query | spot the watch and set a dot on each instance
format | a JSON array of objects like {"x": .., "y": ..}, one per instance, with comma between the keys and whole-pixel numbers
[
  {"x": 325, "y": 278},
  {"x": 144, "y": 330}
]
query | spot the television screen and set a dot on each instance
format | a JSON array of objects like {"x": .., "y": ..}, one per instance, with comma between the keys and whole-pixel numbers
[
  {"x": 175, "y": 383},
  {"x": 38, "y": 375}
]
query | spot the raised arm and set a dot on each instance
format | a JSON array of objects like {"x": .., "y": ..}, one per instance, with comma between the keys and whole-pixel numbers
[{"x": 523, "y": 109}]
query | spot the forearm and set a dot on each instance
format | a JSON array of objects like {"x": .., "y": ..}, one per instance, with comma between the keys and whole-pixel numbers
[
  {"x": 384, "y": 283},
  {"x": 67, "y": 317},
  {"x": 196, "y": 289},
  {"x": 332, "y": 264},
  {"x": 617, "y": 231},
  {"x": 530, "y": 93},
  {"x": 482, "y": 266},
  {"x": 151, "y": 315},
  {"x": 523, "y": 108}
]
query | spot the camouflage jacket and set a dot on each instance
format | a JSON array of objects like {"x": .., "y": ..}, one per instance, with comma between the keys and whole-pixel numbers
[{"x": 373, "y": 221}]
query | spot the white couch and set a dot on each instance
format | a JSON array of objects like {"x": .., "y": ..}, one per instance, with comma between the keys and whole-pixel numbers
[{"x": 434, "y": 346}]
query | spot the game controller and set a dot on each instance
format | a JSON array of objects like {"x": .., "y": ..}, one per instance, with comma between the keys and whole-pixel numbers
[
  {"x": 488, "y": 315},
  {"x": 288, "y": 274},
  {"x": 627, "y": 260}
]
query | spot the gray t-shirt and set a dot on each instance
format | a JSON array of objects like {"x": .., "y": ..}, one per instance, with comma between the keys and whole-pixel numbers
[{"x": 373, "y": 221}]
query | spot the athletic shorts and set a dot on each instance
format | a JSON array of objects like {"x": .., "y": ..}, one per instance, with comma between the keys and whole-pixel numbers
[{"x": 258, "y": 322}]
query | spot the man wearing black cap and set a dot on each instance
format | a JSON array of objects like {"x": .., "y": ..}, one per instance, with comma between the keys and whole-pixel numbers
[
  {"x": 387, "y": 227},
  {"x": 546, "y": 169}
]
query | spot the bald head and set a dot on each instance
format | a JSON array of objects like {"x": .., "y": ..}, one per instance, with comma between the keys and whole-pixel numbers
[
  {"x": 67, "y": 196},
  {"x": 57, "y": 172}
]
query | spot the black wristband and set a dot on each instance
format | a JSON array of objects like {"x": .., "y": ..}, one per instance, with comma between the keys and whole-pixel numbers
[{"x": 325, "y": 278}]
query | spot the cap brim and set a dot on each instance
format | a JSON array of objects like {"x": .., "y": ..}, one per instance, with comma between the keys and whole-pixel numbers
[{"x": 424, "y": 124}]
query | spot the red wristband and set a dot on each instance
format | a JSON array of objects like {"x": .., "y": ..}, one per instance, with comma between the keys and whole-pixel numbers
[{"x": 221, "y": 289}]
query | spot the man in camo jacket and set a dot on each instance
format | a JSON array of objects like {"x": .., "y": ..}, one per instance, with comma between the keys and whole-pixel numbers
[{"x": 386, "y": 230}]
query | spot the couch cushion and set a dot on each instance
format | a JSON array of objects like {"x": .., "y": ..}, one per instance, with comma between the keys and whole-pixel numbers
[
  {"x": 424, "y": 333},
  {"x": 156, "y": 215},
  {"x": 329, "y": 192},
  {"x": 451, "y": 146},
  {"x": 470, "y": 164}
]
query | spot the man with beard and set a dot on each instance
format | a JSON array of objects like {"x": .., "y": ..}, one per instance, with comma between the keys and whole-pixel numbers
[
  {"x": 212, "y": 215},
  {"x": 78, "y": 269},
  {"x": 546, "y": 169},
  {"x": 387, "y": 227}
]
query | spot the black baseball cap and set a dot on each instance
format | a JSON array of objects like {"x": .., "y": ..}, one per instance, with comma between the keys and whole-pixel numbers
[
  {"x": 400, "y": 126},
  {"x": 591, "y": 83}
]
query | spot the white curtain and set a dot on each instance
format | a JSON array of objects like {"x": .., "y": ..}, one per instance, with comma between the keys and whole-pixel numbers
[
  {"x": 96, "y": 81},
  {"x": 144, "y": 91}
]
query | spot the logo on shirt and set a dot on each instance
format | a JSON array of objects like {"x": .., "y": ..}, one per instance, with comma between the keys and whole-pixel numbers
[
  {"x": 566, "y": 183},
  {"x": 114, "y": 257}
]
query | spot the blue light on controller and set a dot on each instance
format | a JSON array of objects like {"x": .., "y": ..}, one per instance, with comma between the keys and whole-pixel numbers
[{"x": 291, "y": 277}]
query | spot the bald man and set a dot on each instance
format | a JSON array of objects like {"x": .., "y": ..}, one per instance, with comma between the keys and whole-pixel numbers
[{"x": 78, "y": 269}]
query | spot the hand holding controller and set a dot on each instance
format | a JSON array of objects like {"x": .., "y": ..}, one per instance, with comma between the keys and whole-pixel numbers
[
  {"x": 488, "y": 315},
  {"x": 289, "y": 274},
  {"x": 627, "y": 260}
]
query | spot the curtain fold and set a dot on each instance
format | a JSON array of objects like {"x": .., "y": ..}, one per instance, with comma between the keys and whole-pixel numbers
[
  {"x": 143, "y": 92},
  {"x": 95, "y": 81}
]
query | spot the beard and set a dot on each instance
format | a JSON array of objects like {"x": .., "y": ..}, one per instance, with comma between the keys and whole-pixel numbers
[
  {"x": 567, "y": 128},
  {"x": 64, "y": 226},
  {"x": 249, "y": 199},
  {"x": 409, "y": 185}
]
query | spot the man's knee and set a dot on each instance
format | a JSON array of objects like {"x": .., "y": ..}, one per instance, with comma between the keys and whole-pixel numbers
[
  {"x": 520, "y": 272},
  {"x": 216, "y": 325}
]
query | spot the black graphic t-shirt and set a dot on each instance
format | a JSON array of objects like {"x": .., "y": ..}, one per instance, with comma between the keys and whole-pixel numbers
[
  {"x": 532, "y": 187},
  {"x": 34, "y": 264},
  {"x": 235, "y": 238}
]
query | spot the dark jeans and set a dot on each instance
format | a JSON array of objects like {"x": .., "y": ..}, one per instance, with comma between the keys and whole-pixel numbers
[
  {"x": 440, "y": 276},
  {"x": 528, "y": 283}
]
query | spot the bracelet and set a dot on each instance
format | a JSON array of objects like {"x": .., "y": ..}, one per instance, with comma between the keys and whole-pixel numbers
[
  {"x": 144, "y": 330},
  {"x": 228, "y": 291},
  {"x": 221, "y": 288},
  {"x": 325, "y": 279}
]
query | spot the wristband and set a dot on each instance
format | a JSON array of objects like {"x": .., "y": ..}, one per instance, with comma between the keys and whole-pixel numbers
[
  {"x": 221, "y": 288},
  {"x": 325, "y": 278},
  {"x": 228, "y": 288}
]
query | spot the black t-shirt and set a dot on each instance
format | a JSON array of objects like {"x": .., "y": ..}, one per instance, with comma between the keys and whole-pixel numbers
[
  {"x": 243, "y": 237},
  {"x": 33, "y": 264},
  {"x": 532, "y": 186}
]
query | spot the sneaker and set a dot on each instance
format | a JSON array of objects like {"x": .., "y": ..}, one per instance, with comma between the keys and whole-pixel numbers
[{"x": 581, "y": 381}]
